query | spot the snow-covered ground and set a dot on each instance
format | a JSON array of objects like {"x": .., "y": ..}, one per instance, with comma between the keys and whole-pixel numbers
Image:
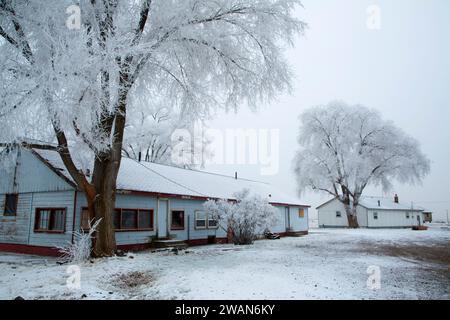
[{"x": 327, "y": 264}]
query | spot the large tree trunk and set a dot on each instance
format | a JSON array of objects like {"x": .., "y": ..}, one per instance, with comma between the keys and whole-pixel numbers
[
  {"x": 350, "y": 210},
  {"x": 106, "y": 170},
  {"x": 353, "y": 221},
  {"x": 104, "y": 181}
]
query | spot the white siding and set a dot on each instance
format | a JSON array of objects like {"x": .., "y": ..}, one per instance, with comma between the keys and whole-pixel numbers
[
  {"x": 16, "y": 229},
  {"x": 147, "y": 202},
  {"x": 281, "y": 221},
  {"x": 394, "y": 219},
  {"x": 296, "y": 222},
  {"x": 328, "y": 218},
  {"x": 20, "y": 229},
  {"x": 63, "y": 199},
  {"x": 32, "y": 175},
  {"x": 386, "y": 218}
]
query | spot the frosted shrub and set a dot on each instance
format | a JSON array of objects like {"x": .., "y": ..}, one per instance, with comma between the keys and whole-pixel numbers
[
  {"x": 243, "y": 218},
  {"x": 80, "y": 250}
]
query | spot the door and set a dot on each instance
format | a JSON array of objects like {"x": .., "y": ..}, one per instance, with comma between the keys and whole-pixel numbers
[
  {"x": 163, "y": 218},
  {"x": 287, "y": 218}
]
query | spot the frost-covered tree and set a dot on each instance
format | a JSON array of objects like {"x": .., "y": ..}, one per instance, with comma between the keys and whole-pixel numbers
[
  {"x": 155, "y": 137},
  {"x": 346, "y": 148},
  {"x": 245, "y": 217},
  {"x": 73, "y": 75}
]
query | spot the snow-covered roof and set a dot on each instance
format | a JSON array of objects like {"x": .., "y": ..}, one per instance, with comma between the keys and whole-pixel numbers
[
  {"x": 164, "y": 179},
  {"x": 382, "y": 203},
  {"x": 386, "y": 204}
]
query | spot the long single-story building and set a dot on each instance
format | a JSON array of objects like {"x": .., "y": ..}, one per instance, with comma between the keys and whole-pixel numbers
[
  {"x": 41, "y": 207},
  {"x": 372, "y": 212}
]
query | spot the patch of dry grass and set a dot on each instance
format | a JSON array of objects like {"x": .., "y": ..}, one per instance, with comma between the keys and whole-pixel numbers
[{"x": 132, "y": 279}]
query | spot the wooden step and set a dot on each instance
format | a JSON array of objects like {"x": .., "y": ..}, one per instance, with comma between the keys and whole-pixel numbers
[
  {"x": 296, "y": 233},
  {"x": 169, "y": 243}
]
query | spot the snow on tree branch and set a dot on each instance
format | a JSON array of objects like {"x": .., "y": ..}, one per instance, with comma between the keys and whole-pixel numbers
[
  {"x": 343, "y": 149},
  {"x": 189, "y": 54},
  {"x": 246, "y": 217},
  {"x": 80, "y": 250}
]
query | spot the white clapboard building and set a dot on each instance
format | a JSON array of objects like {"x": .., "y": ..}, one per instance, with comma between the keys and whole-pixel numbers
[{"x": 372, "y": 212}]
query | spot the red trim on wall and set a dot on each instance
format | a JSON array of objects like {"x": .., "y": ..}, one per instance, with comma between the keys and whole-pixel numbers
[
  {"x": 202, "y": 242},
  {"x": 134, "y": 247},
  {"x": 54, "y": 252},
  {"x": 28, "y": 249}
]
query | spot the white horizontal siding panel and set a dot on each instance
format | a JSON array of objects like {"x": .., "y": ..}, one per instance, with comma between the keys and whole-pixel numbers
[
  {"x": 62, "y": 199},
  {"x": 15, "y": 229}
]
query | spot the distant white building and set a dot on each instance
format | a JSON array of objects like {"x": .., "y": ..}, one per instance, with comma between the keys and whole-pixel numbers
[{"x": 372, "y": 212}]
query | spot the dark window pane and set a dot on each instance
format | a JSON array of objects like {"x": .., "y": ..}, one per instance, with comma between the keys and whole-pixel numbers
[
  {"x": 145, "y": 219},
  {"x": 200, "y": 223},
  {"x": 85, "y": 219},
  {"x": 11, "y": 205},
  {"x": 177, "y": 219},
  {"x": 44, "y": 218},
  {"x": 129, "y": 219},
  {"x": 200, "y": 219},
  {"x": 57, "y": 220},
  {"x": 116, "y": 219},
  {"x": 212, "y": 223}
]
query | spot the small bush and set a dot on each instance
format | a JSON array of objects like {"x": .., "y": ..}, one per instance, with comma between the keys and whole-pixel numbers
[{"x": 245, "y": 218}]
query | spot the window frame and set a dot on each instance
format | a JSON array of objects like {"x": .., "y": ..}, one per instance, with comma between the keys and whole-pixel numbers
[
  {"x": 138, "y": 229},
  {"x": 338, "y": 214},
  {"x": 37, "y": 220},
  {"x": 16, "y": 202},
  {"x": 408, "y": 215},
  {"x": 83, "y": 209},
  {"x": 195, "y": 220},
  {"x": 301, "y": 213},
  {"x": 211, "y": 227},
  {"x": 177, "y": 228},
  {"x": 375, "y": 215}
]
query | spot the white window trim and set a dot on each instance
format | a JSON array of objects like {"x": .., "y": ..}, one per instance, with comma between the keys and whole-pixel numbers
[
  {"x": 211, "y": 227},
  {"x": 195, "y": 220}
]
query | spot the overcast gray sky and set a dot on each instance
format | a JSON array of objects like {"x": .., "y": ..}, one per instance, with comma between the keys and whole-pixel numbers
[{"x": 403, "y": 70}]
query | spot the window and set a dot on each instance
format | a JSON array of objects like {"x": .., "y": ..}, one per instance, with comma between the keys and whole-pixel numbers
[
  {"x": 50, "y": 220},
  {"x": 375, "y": 215},
  {"x": 145, "y": 219},
  {"x": 11, "y": 205},
  {"x": 204, "y": 221},
  {"x": 301, "y": 213},
  {"x": 84, "y": 223},
  {"x": 338, "y": 214},
  {"x": 133, "y": 219},
  {"x": 200, "y": 220},
  {"x": 407, "y": 215},
  {"x": 177, "y": 221},
  {"x": 212, "y": 222},
  {"x": 129, "y": 219}
]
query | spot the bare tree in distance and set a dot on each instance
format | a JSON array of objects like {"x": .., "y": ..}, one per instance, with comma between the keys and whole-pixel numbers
[{"x": 345, "y": 148}]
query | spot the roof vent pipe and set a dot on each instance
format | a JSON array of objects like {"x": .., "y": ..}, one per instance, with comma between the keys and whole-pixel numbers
[
  {"x": 235, "y": 175},
  {"x": 396, "y": 198},
  {"x": 379, "y": 203}
]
